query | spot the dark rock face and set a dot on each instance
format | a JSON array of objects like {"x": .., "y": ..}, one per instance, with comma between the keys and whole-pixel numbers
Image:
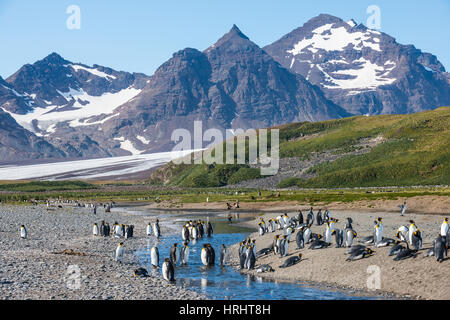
[
  {"x": 19, "y": 144},
  {"x": 233, "y": 84},
  {"x": 362, "y": 70}
]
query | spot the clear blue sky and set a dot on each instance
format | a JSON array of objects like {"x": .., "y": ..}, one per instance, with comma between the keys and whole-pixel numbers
[{"x": 139, "y": 35}]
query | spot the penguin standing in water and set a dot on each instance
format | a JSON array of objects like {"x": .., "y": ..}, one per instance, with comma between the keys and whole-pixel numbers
[
  {"x": 242, "y": 256},
  {"x": 168, "y": 270},
  {"x": 209, "y": 230},
  {"x": 184, "y": 253},
  {"x": 95, "y": 230},
  {"x": 156, "y": 229},
  {"x": 212, "y": 255},
  {"x": 223, "y": 255},
  {"x": 205, "y": 255},
  {"x": 23, "y": 232},
  {"x": 148, "y": 229},
  {"x": 250, "y": 259},
  {"x": 154, "y": 255},
  {"x": 119, "y": 253},
  {"x": 201, "y": 230},
  {"x": 174, "y": 254},
  {"x": 185, "y": 233}
]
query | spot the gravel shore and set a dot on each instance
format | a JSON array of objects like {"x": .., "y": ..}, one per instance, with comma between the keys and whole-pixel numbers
[
  {"x": 37, "y": 267},
  {"x": 419, "y": 278}
]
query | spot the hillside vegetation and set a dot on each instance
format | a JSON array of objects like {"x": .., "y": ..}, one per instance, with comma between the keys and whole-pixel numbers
[{"x": 403, "y": 150}]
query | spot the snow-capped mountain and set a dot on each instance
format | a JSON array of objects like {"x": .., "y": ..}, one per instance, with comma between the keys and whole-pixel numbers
[
  {"x": 364, "y": 71},
  {"x": 326, "y": 69},
  {"x": 233, "y": 84}
]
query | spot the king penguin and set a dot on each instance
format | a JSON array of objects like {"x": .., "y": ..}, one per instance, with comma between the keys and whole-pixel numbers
[
  {"x": 439, "y": 248},
  {"x": 23, "y": 232},
  {"x": 154, "y": 255},
  {"x": 95, "y": 230},
  {"x": 119, "y": 253},
  {"x": 184, "y": 253},
  {"x": 205, "y": 255},
  {"x": 149, "y": 229},
  {"x": 168, "y": 270},
  {"x": 174, "y": 254},
  {"x": 156, "y": 229}
]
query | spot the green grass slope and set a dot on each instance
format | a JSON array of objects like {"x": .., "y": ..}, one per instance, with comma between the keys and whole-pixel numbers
[{"x": 415, "y": 151}]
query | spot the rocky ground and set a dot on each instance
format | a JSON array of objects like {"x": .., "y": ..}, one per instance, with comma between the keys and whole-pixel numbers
[
  {"x": 421, "y": 278},
  {"x": 38, "y": 267}
]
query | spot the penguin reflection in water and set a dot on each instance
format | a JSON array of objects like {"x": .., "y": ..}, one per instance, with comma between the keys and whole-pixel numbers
[
  {"x": 174, "y": 254},
  {"x": 223, "y": 255},
  {"x": 168, "y": 271}
]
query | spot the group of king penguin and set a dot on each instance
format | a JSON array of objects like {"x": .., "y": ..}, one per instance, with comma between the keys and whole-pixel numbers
[
  {"x": 410, "y": 236},
  {"x": 191, "y": 231}
]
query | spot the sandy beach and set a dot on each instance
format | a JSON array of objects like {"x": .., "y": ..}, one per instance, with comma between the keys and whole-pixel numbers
[
  {"x": 418, "y": 278},
  {"x": 36, "y": 267}
]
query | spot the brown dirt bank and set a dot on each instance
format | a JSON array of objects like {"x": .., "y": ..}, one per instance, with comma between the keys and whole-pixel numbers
[{"x": 420, "y": 204}]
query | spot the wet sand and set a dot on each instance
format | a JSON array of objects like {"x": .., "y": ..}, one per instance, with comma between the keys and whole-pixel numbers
[{"x": 419, "y": 278}]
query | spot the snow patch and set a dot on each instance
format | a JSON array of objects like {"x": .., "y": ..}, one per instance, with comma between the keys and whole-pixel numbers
[
  {"x": 336, "y": 39},
  {"x": 97, "y": 105},
  {"x": 142, "y": 139},
  {"x": 96, "y": 72}
]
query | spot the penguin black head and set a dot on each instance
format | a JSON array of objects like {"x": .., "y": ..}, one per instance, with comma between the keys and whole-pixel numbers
[
  {"x": 379, "y": 219},
  {"x": 175, "y": 244},
  {"x": 446, "y": 219},
  {"x": 411, "y": 221},
  {"x": 300, "y": 255}
]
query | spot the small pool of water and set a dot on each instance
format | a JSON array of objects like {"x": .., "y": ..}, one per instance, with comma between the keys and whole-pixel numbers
[{"x": 223, "y": 283}]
